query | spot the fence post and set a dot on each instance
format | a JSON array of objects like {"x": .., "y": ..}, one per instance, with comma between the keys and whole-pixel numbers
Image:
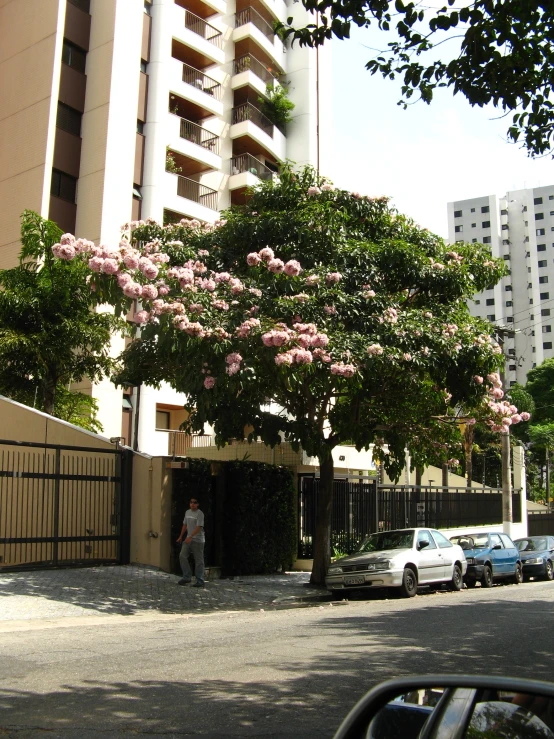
[
  {"x": 56, "y": 531},
  {"x": 520, "y": 483}
]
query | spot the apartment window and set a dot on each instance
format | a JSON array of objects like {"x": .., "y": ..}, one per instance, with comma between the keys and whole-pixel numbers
[
  {"x": 63, "y": 186},
  {"x": 524, "y": 209},
  {"x": 551, "y": 197},
  {"x": 547, "y": 345},
  {"x": 543, "y": 280},
  {"x": 503, "y": 212},
  {"x": 545, "y": 311},
  {"x": 530, "y": 301},
  {"x": 512, "y": 383},
  {"x": 473, "y": 225},
  {"x": 457, "y": 214},
  {"x": 81, "y": 4},
  {"x": 512, "y": 367},
  {"x": 140, "y": 127},
  {"x": 512, "y": 352},
  {"x": 68, "y": 119},
  {"x": 547, "y": 329},
  {"x": 542, "y": 262},
  {"x": 484, "y": 209},
  {"x": 526, "y": 223},
  {"x": 528, "y": 270},
  {"x": 527, "y": 253},
  {"x": 505, "y": 242},
  {"x": 510, "y": 319},
  {"x": 486, "y": 239},
  {"x": 73, "y": 56},
  {"x": 529, "y": 285},
  {"x": 147, "y": 8},
  {"x": 552, "y": 212},
  {"x": 541, "y": 247},
  {"x": 458, "y": 229},
  {"x": 491, "y": 318},
  {"x": 459, "y": 241},
  {"x": 504, "y": 227},
  {"x": 506, "y": 256},
  {"x": 490, "y": 301},
  {"x": 531, "y": 316},
  {"x": 143, "y": 65},
  {"x": 508, "y": 288},
  {"x": 485, "y": 224},
  {"x": 509, "y": 303},
  {"x": 162, "y": 420},
  {"x": 539, "y": 216},
  {"x": 477, "y": 302},
  {"x": 534, "y": 365},
  {"x": 473, "y": 241},
  {"x": 544, "y": 296},
  {"x": 537, "y": 201},
  {"x": 526, "y": 239},
  {"x": 473, "y": 210},
  {"x": 541, "y": 231}
]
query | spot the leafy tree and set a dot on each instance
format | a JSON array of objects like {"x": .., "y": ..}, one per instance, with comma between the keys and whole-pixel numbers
[
  {"x": 50, "y": 335},
  {"x": 277, "y": 106},
  {"x": 540, "y": 386},
  {"x": 310, "y": 315},
  {"x": 505, "y": 56}
]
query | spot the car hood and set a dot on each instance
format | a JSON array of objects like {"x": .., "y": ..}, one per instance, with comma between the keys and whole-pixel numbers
[
  {"x": 366, "y": 557},
  {"x": 531, "y": 555},
  {"x": 475, "y": 552}
]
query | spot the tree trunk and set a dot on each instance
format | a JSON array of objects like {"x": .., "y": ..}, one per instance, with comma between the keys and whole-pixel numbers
[
  {"x": 506, "y": 480},
  {"x": 322, "y": 538},
  {"x": 49, "y": 395},
  {"x": 445, "y": 476},
  {"x": 468, "y": 449}
]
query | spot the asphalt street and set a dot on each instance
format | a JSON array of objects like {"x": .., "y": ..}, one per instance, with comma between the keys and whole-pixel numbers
[{"x": 263, "y": 673}]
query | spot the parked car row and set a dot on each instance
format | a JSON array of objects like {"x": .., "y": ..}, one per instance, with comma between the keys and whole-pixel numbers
[{"x": 409, "y": 558}]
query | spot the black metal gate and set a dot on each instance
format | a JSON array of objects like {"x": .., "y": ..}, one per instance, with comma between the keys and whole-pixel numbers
[
  {"x": 63, "y": 505},
  {"x": 361, "y": 506}
]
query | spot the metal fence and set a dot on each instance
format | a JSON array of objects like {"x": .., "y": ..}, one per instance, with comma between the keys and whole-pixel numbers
[
  {"x": 198, "y": 135},
  {"x": 201, "y": 81},
  {"x": 540, "y": 524},
  {"x": 249, "y": 112},
  {"x": 248, "y": 62},
  {"x": 193, "y": 190},
  {"x": 63, "y": 505},
  {"x": 361, "y": 506},
  {"x": 248, "y": 163},
  {"x": 199, "y": 26},
  {"x": 249, "y": 15}
]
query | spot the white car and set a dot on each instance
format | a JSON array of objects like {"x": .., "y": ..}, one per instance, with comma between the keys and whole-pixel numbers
[{"x": 405, "y": 559}]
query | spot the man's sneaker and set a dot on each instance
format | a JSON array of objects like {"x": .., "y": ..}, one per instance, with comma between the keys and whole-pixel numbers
[
  {"x": 198, "y": 584},
  {"x": 182, "y": 581}
]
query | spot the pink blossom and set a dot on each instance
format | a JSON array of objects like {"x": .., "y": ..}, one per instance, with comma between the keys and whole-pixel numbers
[
  {"x": 305, "y": 328},
  {"x": 194, "y": 329},
  {"x": 322, "y": 355},
  {"x": 163, "y": 290},
  {"x": 141, "y": 317},
  {"x": 203, "y": 252},
  {"x": 110, "y": 267},
  {"x": 254, "y": 291},
  {"x": 253, "y": 259},
  {"x": 305, "y": 340},
  {"x": 220, "y": 305},
  {"x": 150, "y": 271},
  {"x": 207, "y": 284},
  {"x": 209, "y": 382},
  {"x": 471, "y": 422},
  {"x": 95, "y": 264},
  {"x": 356, "y": 195},
  {"x": 407, "y": 356},
  {"x": 199, "y": 267},
  {"x": 320, "y": 340},
  {"x": 454, "y": 462},
  {"x": 131, "y": 261},
  {"x": 333, "y": 277},
  {"x": 285, "y": 358},
  {"x": 232, "y": 369},
  {"x": 368, "y": 294},
  {"x": 516, "y": 418},
  {"x": 312, "y": 280},
  {"x": 313, "y": 190},
  {"x": 428, "y": 314},
  {"x": 301, "y": 356},
  {"x": 67, "y": 239},
  {"x": 374, "y": 350},
  {"x": 132, "y": 290},
  {"x": 149, "y": 292},
  {"x": 301, "y": 297},
  {"x": 497, "y": 393},
  {"x": 222, "y": 277},
  {"x": 330, "y": 310},
  {"x": 344, "y": 370},
  {"x": 236, "y": 286},
  {"x": 66, "y": 252},
  {"x": 266, "y": 254},
  {"x": 292, "y": 268},
  {"x": 525, "y": 416},
  {"x": 193, "y": 307},
  {"x": 244, "y": 329},
  {"x": 478, "y": 379},
  {"x": 390, "y": 315},
  {"x": 233, "y": 358},
  {"x": 327, "y": 187},
  {"x": 124, "y": 278},
  {"x": 276, "y": 265}
]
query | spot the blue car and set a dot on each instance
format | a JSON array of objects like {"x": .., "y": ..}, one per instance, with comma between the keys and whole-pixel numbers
[
  {"x": 490, "y": 556},
  {"x": 537, "y": 556}
]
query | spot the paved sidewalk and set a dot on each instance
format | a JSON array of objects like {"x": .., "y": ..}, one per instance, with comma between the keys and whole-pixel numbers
[{"x": 137, "y": 590}]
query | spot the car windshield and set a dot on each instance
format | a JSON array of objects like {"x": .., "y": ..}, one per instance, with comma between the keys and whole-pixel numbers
[
  {"x": 531, "y": 545},
  {"x": 388, "y": 540},
  {"x": 473, "y": 541}
]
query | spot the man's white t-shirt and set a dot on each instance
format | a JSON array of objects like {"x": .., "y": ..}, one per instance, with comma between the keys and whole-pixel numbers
[{"x": 192, "y": 520}]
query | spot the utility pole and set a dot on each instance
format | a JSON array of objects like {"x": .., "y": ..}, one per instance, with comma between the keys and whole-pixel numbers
[
  {"x": 547, "y": 477},
  {"x": 507, "y": 513}
]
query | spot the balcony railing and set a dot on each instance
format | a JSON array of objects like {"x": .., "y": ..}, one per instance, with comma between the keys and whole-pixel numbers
[
  {"x": 200, "y": 136},
  {"x": 249, "y": 62},
  {"x": 204, "y": 29},
  {"x": 192, "y": 190},
  {"x": 179, "y": 441},
  {"x": 248, "y": 112},
  {"x": 248, "y": 163},
  {"x": 201, "y": 81},
  {"x": 249, "y": 15}
]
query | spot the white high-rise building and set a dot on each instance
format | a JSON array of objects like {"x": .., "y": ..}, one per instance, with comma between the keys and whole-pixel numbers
[
  {"x": 519, "y": 226},
  {"x": 117, "y": 110}
]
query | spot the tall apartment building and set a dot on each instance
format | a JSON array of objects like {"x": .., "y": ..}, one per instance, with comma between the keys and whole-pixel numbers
[
  {"x": 100, "y": 98},
  {"x": 520, "y": 229}
]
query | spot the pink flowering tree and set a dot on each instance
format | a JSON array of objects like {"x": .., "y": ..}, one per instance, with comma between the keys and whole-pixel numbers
[{"x": 311, "y": 315}]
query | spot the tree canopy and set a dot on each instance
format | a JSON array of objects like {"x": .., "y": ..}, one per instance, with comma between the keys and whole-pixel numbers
[
  {"x": 499, "y": 52},
  {"x": 311, "y": 315},
  {"x": 50, "y": 336}
]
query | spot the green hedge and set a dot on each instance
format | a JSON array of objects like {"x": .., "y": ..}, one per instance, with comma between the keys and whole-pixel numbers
[{"x": 259, "y": 530}]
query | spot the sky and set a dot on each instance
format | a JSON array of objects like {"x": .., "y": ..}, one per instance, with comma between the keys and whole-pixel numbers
[{"x": 425, "y": 156}]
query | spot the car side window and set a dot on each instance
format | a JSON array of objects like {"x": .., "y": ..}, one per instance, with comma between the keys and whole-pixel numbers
[
  {"x": 551, "y": 542},
  {"x": 495, "y": 539},
  {"x": 441, "y": 540},
  {"x": 508, "y": 543},
  {"x": 426, "y": 536}
]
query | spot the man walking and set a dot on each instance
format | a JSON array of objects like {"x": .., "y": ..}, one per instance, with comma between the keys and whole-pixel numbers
[{"x": 193, "y": 526}]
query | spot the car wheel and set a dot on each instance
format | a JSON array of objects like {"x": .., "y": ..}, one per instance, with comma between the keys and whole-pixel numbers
[
  {"x": 486, "y": 580},
  {"x": 518, "y": 576},
  {"x": 409, "y": 583},
  {"x": 549, "y": 572},
  {"x": 471, "y": 583},
  {"x": 457, "y": 579}
]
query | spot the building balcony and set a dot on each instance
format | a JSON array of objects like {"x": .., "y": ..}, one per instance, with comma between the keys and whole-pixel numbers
[
  {"x": 190, "y": 198},
  {"x": 199, "y": 147},
  {"x": 276, "y": 8},
  {"x": 202, "y": 42},
  {"x": 257, "y": 133},
  {"x": 196, "y": 87},
  {"x": 205, "y": 8},
  {"x": 249, "y": 24},
  {"x": 249, "y": 71},
  {"x": 246, "y": 171}
]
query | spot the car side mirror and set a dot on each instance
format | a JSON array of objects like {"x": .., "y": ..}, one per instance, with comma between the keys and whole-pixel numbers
[
  {"x": 421, "y": 545},
  {"x": 432, "y": 706},
  {"x": 497, "y": 546}
]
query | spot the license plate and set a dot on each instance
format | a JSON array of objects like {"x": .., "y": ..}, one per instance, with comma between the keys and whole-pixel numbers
[{"x": 354, "y": 580}]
